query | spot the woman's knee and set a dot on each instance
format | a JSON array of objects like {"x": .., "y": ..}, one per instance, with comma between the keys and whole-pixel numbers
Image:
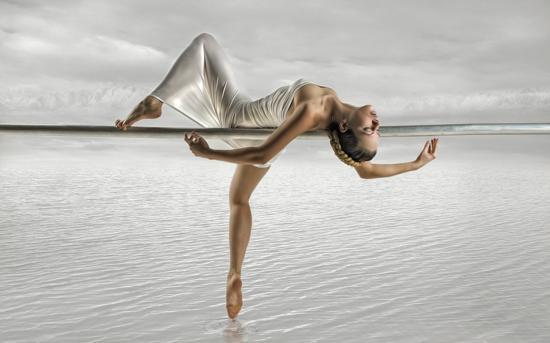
[
  {"x": 239, "y": 199},
  {"x": 245, "y": 180},
  {"x": 205, "y": 37}
]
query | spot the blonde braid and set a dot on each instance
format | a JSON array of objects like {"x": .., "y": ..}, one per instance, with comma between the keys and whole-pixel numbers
[{"x": 340, "y": 153}]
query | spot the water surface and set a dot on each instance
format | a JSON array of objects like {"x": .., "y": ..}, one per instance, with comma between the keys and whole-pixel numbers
[{"x": 99, "y": 244}]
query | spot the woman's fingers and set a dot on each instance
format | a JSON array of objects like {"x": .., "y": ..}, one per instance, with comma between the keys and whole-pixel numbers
[
  {"x": 192, "y": 138},
  {"x": 189, "y": 139},
  {"x": 196, "y": 137},
  {"x": 430, "y": 146},
  {"x": 433, "y": 146}
]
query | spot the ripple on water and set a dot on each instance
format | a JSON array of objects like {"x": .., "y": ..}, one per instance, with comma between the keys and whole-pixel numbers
[{"x": 230, "y": 328}]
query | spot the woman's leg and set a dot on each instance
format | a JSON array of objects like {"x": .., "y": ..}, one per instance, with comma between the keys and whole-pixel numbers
[
  {"x": 244, "y": 181},
  {"x": 148, "y": 108},
  {"x": 200, "y": 84}
]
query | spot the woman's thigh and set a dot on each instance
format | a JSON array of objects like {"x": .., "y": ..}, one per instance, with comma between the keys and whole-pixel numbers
[
  {"x": 245, "y": 179},
  {"x": 201, "y": 83}
]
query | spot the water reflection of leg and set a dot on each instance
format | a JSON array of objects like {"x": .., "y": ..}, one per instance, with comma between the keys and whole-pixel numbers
[
  {"x": 236, "y": 332},
  {"x": 232, "y": 330}
]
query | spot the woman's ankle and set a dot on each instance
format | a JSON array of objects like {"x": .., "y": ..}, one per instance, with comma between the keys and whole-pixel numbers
[
  {"x": 232, "y": 272},
  {"x": 152, "y": 102}
]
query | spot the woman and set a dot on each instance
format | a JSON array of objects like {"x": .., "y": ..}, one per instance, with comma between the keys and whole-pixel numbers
[{"x": 200, "y": 84}]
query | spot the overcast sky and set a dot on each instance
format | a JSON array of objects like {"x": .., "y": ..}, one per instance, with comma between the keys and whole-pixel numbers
[{"x": 89, "y": 62}]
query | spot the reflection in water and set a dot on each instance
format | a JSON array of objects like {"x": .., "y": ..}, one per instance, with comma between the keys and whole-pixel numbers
[
  {"x": 232, "y": 330},
  {"x": 134, "y": 248}
]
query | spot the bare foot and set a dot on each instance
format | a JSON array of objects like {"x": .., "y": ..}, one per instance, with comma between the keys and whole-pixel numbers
[
  {"x": 148, "y": 108},
  {"x": 233, "y": 295}
]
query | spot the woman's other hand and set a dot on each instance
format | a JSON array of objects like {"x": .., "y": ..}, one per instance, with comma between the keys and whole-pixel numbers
[
  {"x": 428, "y": 152},
  {"x": 197, "y": 144}
]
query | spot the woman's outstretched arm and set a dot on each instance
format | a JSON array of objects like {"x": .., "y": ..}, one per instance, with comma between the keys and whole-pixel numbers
[
  {"x": 300, "y": 121},
  {"x": 246, "y": 155},
  {"x": 369, "y": 170}
]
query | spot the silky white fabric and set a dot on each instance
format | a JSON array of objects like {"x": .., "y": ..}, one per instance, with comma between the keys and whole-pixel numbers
[{"x": 201, "y": 85}]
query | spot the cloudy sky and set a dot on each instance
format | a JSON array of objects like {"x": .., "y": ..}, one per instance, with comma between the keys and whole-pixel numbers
[{"x": 89, "y": 62}]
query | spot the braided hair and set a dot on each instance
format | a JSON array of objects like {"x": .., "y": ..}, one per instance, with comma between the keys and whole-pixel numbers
[{"x": 346, "y": 148}]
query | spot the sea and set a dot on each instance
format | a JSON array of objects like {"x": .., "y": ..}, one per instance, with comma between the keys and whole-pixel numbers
[{"x": 117, "y": 239}]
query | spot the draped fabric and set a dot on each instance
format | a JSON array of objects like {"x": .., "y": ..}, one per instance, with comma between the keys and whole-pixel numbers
[{"x": 201, "y": 85}]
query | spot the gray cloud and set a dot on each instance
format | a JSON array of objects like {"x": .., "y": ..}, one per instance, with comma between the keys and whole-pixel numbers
[{"x": 433, "y": 61}]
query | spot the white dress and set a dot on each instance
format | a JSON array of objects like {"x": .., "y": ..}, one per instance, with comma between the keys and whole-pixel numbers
[{"x": 200, "y": 85}]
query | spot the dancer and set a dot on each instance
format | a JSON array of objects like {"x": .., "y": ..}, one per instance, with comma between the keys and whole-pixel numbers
[{"x": 201, "y": 85}]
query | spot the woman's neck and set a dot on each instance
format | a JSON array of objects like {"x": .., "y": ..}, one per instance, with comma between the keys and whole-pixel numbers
[{"x": 340, "y": 111}]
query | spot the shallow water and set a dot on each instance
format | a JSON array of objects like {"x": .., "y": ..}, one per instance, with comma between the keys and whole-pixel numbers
[{"x": 133, "y": 247}]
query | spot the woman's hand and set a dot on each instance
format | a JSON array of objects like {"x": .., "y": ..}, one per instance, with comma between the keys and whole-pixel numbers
[
  {"x": 428, "y": 152},
  {"x": 197, "y": 144}
]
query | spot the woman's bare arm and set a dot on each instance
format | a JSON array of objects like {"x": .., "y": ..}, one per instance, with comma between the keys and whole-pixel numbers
[
  {"x": 300, "y": 121},
  {"x": 246, "y": 155},
  {"x": 369, "y": 170}
]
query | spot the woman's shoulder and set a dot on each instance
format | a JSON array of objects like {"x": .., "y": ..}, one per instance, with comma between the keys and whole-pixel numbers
[{"x": 311, "y": 91}]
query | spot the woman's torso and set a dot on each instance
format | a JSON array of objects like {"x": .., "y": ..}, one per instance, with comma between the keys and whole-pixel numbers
[{"x": 273, "y": 109}]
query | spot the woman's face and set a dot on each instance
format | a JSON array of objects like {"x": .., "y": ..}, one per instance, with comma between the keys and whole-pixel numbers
[{"x": 365, "y": 125}]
